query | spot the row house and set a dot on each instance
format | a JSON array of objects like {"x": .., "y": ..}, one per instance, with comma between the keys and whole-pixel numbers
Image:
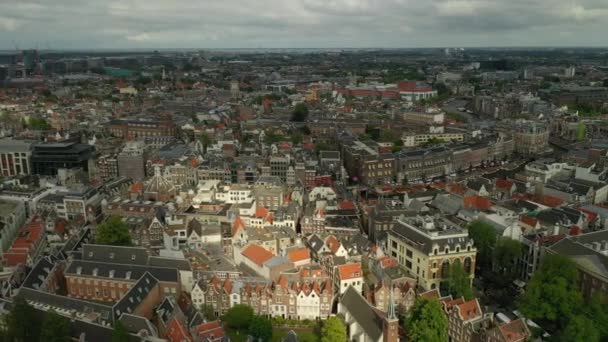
[{"x": 292, "y": 300}]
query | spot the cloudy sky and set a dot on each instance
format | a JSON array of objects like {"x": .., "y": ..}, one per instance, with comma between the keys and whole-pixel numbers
[{"x": 76, "y": 24}]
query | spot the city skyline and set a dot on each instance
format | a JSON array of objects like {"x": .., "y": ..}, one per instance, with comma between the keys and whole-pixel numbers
[{"x": 69, "y": 24}]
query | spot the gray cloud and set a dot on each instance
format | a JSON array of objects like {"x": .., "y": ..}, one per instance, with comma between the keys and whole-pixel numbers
[{"x": 300, "y": 23}]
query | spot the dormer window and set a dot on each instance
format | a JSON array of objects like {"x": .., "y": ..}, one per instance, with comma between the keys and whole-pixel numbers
[
  {"x": 133, "y": 257},
  {"x": 95, "y": 270},
  {"x": 111, "y": 255}
]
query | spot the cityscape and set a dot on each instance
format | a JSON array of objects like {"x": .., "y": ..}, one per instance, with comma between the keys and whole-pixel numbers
[{"x": 288, "y": 193}]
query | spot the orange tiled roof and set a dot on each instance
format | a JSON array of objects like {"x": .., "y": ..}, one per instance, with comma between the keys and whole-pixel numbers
[
  {"x": 504, "y": 184},
  {"x": 238, "y": 225},
  {"x": 477, "y": 202},
  {"x": 469, "y": 310},
  {"x": 299, "y": 254},
  {"x": 261, "y": 212},
  {"x": 514, "y": 331},
  {"x": 259, "y": 255},
  {"x": 333, "y": 244},
  {"x": 530, "y": 221},
  {"x": 350, "y": 271}
]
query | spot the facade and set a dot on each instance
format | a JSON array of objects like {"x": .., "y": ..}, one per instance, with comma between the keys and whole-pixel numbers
[
  {"x": 532, "y": 138},
  {"x": 126, "y": 128},
  {"x": 131, "y": 161},
  {"x": 48, "y": 158},
  {"x": 107, "y": 167},
  {"x": 423, "y": 164},
  {"x": 424, "y": 118},
  {"x": 291, "y": 300},
  {"x": 15, "y": 157},
  {"x": 12, "y": 218},
  {"x": 365, "y": 164},
  {"x": 428, "y": 246}
]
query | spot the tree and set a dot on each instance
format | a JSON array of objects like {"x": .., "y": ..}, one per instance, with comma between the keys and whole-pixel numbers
[
  {"x": 55, "y": 328},
  {"x": 552, "y": 293},
  {"x": 506, "y": 253},
  {"x": 38, "y": 124},
  {"x": 206, "y": 141},
  {"x": 484, "y": 238},
  {"x": 22, "y": 324},
  {"x": 296, "y": 138},
  {"x": 120, "y": 333},
  {"x": 597, "y": 312},
  {"x": 427, "y": 322},
  {"x": 580, "y": 329},
  {"x": 300, "y": 113},
  {"x": 459, "y": 282},
  {"x": 238, "y": 317},
  {"x": 333, "y": 330},
  {"x": 113, "y": 232},
  {"x": 260, "y": 328},
  {"x": 581, "y": 131},
  {"x": 208, "y": 312}
]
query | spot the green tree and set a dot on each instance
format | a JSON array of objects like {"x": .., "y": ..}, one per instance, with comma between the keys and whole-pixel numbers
[
  {"x": 427, "y": 321},
  {"x": 552, "y": 293},
  {"x": 506, "y": 253},
  {"x": 581, "y": 131},
  {"x": 260, "y": 328},
  {"x": 38, "y": 124},
  {"x": 300, "y": 113},
  {"x": 55, "y": 328},
  {"x": 206, "y": 141},
  {"x": 333, "y": 330},
  {"x": 113, "y": 232},
  {"x": 238, "y": 317},
  {"x": 321, "y": 146},
  {"x": 208, "y": 312},
  {"x": 484, "y": 238},
  {"x": 458, "y": 282},
  {"x": 120, "y": 333},
  {"x": 296, "y": 138},
  {"x": 580, "y": 329},
  {"x": 22, "y": 324}
]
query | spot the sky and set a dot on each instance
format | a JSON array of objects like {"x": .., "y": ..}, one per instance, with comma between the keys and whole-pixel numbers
[{"x": 108, "y": 24}]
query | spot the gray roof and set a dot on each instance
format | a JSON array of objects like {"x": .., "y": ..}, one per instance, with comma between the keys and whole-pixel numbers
[
  {"x": 135, "y": 324},
  {"x": 115, "y": 254},
  {"x": 120, "y": 271},
  {"x": 136, "y": 295},
  {"x": 67, "y": 303},
  {"x": 180, "y": 264},
  {"x": 365, "y": 315},
  {"x": 580, "y": 250}
]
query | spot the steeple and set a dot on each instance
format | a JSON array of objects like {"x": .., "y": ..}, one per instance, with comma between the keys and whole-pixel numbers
[{"x": 391, "y": 304}]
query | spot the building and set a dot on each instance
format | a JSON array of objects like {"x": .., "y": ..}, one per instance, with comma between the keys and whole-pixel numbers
[
  {"x": 15, "y": 157},
  {"x": 427, "y": 246},
  {"x": 589, "y": 253},
  {"x": 12, "y": 218},
  {"x": 296, "y": 299},
  {"x": 466, "y": 321},
  {"x": 133, "y": 128},
  {"x": 422, "y": 164},
  {"x": 365, "y": 164},
  {"x": 363, "y": 322},
  {"x": 532, "y": 138},
  {"x": 347, "y": 276},
  {"x": 131, "y": 161},
  {"x": 424, "y": 118},
  {"x": 107, "y": 167},
  {"x": 48, "y": 158},
  {"x": 414, "y": 91},
  {"x": 27, "y": 246}
]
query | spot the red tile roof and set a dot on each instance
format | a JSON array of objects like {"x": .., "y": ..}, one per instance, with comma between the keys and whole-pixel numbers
[
  {"x": 504, "y": 184},
  {"x": 514, "y": 331},
  {"x": 211, "y": 330},
  {"x": 333, "y": 243},
  {"x": 176, "y": 332},
  {"x": 477, "y": 202},
  {"x": 388, "y": 262},
  {"x": 412, "y": 87},
  {"x": 530, "y": 221},
  {"x": 350, "y": 271},
  {"x": 299, "y": 254},
  {"x": 469, "y": 310},
  {"x": 25, "y": 244},
  {"x": 347, "y": 205},
  {"x": 259, "y": 255},
  {"x": 238, "y": 225}
]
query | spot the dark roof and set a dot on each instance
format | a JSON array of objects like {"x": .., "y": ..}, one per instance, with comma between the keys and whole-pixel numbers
[
  {"x": 581, "y": 250},
  {"x": 316, "y": 243},
  {"x": 39, "y": 273},
  {"x": 120, "y": 271},
  {"x": 180, "y": 264},
  {"x": 195, "y": 226},
  {"x": 115, "y": 254},
  {"x": 135, "y": 324},
  {"x": 68, "y": 303},
  {"x": 363, "y": 313},
  {"x": 137, "y": 294},
  {"x": 165, "y": 309}
]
